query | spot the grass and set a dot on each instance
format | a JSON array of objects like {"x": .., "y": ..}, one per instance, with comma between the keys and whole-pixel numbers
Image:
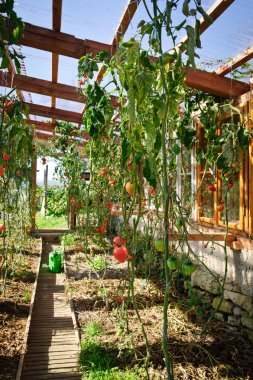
[
  {"x": 93, "y": 329},
  {"x": 51, "y": 222},
  {"x": 98, "y": 363}
]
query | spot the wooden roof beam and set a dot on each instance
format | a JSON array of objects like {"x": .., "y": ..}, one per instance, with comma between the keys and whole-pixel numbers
[
  {"x": 56, "y": 113},
  {"x": 45, "y": 136},
  {"x": 61, "y": 43},
  {"x": 236, "y": 62},
  {"x": 215, "y": 11},
  {"x": 48, "y": 127},
  {"x": 57, "y": 11},
  {"x": 215, "y": 84},
  {"x": 45, "y": 87}
]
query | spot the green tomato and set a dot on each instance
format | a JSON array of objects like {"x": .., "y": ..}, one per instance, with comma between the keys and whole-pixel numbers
[
  {"x": 188, "y": 267},
  {"x": 179, "y": 223},
  {"x": 172, "y": 263},
  {"x": 159, "y": 245}
]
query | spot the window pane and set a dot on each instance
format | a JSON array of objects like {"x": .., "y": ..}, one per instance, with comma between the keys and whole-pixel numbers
[{"x": 206, "y": 207}]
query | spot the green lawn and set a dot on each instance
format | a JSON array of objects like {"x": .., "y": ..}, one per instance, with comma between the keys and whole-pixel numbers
[{"x": 51, "y": 222}]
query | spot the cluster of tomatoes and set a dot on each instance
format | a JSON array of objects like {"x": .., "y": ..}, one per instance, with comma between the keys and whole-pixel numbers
[
  {"x": 6, "y": 158},
  {"x": 81, "y": 82}
]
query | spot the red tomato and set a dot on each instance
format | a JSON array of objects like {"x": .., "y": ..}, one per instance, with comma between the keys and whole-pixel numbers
[
  {"x": 1, "y": 171},
  {"x": 120, "y": 253},
  {"x": 230, "y": 185},
  {"x": 18, "y": 172},
  {"x": 8, "y": 107},
  {"x": 222, "y": 201},
  {"x": 211, "y": 188},
  {"x": 109, "y": 205},
  {"x": 220, "y": 208},
  {"x": 2, "y": 227},
  {"x": 81, "y": 82},
  {"x": 120, "y": 299},
  {"x": 6, "y": 156},
  {"x": 118, "y": 241}
]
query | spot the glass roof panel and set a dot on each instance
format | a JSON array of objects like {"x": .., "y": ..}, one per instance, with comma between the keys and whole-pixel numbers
[
  {"x": 94, "y": 20},
  {"x": 35, "y": 12}
]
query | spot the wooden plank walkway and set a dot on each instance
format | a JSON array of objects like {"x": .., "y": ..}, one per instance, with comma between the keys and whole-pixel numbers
[{"x": 52, "y": 344}]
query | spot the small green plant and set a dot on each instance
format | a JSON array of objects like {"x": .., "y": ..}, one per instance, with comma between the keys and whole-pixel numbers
[
  {"x": 98, "y": 263},
  {"x": 93, "y": 329},
  {"x": 68, "y": 239},
  {"x": 26, "y": 296}
]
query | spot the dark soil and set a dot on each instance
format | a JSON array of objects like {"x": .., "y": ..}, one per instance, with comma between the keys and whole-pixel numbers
[
  {"x": 224, "y": 354},
  {"x": 14, "y": 310}
]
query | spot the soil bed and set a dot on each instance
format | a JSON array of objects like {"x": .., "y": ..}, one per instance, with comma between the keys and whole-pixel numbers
[
  {"x": 223, "y": 355},
  {"x": 14, "y": 310}
]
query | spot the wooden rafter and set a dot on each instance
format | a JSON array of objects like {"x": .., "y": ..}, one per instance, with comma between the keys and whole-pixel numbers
[
  {"x": 198, "y": 79},
  {"x": 48, "y": 127},
  {"x": 214, "y": 12},
  {"x": 45, "y": 136},
  {"x": 60, "y": 43},
  {"x": 56, "y": 113},
  {"x": 215, "y": 84},
  {"x": 57, "y": 11},
  {"x": 236, "y": 62},
  {"x": 45, "y": 87}
]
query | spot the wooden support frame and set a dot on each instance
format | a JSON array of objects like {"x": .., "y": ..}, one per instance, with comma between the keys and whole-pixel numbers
[
  {"x": 199, "y": 79},
  {"x": 49, "y": 112},
  {"x": 45, "y": 87},
  {"x": 33, "y": 185},
  {"x": 236, "y": 62},
  {"x": 57, "y": 11},
  {"x": 61, "y": 43},
  {"x": 215, "y": 84},
  {"x": 48, "y": 127}
]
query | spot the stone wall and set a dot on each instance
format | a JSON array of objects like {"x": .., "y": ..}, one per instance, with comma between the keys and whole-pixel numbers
[{"x": 236, "y": 309}]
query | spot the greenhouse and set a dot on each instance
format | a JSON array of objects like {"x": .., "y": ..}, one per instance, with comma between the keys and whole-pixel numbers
[{"x": 126, "y": 190}]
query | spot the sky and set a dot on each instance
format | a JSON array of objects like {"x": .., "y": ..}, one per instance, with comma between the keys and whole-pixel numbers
[
  {"x": 51, "y": 163},
  {"x": 230, "y": 35}
]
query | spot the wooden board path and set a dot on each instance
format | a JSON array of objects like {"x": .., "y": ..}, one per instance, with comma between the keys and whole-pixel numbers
[{"x": 52, "y": 346}]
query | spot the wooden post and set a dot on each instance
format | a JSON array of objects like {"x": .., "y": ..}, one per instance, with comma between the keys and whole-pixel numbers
[
  {"x": 251, "y": 173},
  {"x": 33, "y": 198}
]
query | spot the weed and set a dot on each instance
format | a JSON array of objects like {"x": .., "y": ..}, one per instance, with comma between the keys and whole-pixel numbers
[
  {"x": 26, "y": 296},
  {"x": 93, "y": 329},
  {"x": 98, "y": 263}
]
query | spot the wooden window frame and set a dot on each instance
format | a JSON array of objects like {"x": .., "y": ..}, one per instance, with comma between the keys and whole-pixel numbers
[{"x": 245, "y": 224}]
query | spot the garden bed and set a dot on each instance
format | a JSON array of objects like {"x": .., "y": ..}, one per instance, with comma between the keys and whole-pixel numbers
[
  {"x": 15, "y": 307},
  {"x": 98, "y": 306}
]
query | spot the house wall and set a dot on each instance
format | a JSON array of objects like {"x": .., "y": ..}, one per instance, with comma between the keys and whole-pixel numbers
[{"x": 236, "y": 309}]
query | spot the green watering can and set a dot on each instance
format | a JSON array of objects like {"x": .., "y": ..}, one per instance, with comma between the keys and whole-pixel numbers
[{"x": 55, "y": 261}]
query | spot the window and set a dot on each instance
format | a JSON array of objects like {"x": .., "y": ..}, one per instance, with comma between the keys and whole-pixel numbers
[{"x": 237, "y": 176}]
